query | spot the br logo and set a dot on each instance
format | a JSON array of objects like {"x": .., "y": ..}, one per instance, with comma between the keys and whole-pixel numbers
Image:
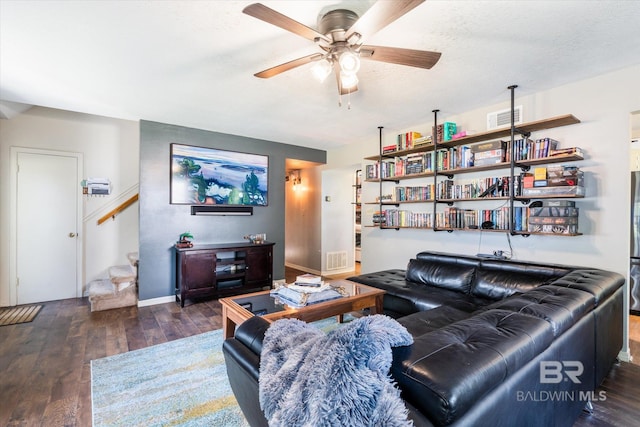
[{"x": 554, "y": 372}]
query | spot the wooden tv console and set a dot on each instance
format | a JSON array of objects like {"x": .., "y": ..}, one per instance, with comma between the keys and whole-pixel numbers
[{"x": 225, "y": 269}]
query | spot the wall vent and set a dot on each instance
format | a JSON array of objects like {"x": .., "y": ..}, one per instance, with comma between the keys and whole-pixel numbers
[
  {"x": 502, "y": 118},
  {"x": 336, "y": 260}
]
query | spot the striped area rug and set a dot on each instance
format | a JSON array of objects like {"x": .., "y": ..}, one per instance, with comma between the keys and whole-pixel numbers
[
  {"x": 19, "y": 314},
  {"x": 178, "y": 383}
]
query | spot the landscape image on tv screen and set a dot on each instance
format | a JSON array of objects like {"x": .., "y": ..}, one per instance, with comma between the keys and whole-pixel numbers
[{"x": 209, "y": 176}]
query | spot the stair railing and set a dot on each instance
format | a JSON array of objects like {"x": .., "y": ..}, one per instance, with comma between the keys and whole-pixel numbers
[{"x": 122, "y": 206}]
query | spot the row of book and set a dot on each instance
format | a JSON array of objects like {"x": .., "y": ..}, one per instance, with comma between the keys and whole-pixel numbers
[
  {"x": 415, "y": 193},
  {"x": 466, "y": 156},
  {"x": 408, "y": 140},
  {"x": 405, "y": 141},
  {"x": 497, "y": 186},
  {"x": 412, "y": 139},
  {"x": 477, "y": 188},
  {"x": 455, "y": 218}
]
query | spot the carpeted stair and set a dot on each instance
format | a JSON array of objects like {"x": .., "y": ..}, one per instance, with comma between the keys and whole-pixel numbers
[{"x": 119, "y": 290}]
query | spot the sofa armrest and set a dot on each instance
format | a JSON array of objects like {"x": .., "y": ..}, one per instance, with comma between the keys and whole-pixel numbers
[{"x": 242, "y": 359}]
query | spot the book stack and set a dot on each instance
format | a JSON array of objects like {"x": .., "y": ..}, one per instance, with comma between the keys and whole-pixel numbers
[
  {"x": 307, "y": 289},
  {"x": 423, "y": 140},
  {"x": 405, "y": 141},
  {"x": 489, "y": 153},
  {"x": 308, "y": 283},
  {"x": 554, "y": 181},
  {"x": 379, "y": 218},
  {"x": 555, "y": 216}
]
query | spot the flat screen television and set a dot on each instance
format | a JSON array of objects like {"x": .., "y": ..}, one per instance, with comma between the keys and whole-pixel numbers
[{"x": 210, "y": 176}]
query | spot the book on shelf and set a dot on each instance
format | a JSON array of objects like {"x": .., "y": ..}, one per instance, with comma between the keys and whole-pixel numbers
[
  {"x": 405, "y": 141},
  {"x": 445, "y": 131},
  {"x": 577, "y": 151},
  {"x": 389, "y": 149},
  {"x": 543, "y": 146},
  {"x": 414, "y": 164},
  {"x": 488, "y": 146},
  {"x": 423, "y": 140}
]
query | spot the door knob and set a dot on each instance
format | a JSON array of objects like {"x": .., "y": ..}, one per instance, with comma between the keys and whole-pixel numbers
[{"x": 72, "y": 235}]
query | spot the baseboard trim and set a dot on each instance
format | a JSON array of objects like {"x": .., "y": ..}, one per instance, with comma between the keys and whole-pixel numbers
[
  {"x": 302, "y": 268},
  {"x": 340, "y": 271},
  {"x": 625, "y": 356},
  {"x": 156, "y": 301}
]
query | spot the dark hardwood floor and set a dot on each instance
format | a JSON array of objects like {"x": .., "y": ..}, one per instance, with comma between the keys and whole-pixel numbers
[{"x": 46, "y": 374}]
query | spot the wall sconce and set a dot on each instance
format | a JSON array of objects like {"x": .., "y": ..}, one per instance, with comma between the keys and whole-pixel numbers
[{"x": 294, "y": 176}]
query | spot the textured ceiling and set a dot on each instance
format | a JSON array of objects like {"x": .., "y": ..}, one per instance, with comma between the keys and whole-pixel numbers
[{"x": 191, "y": 63}]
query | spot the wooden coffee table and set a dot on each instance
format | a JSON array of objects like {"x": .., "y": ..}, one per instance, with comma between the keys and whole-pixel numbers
[{"x": 237, "y": 309}]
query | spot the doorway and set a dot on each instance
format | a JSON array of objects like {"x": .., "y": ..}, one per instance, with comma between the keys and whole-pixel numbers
[
  {"x": 46, "y": 248},
  {"x": 634, "y": 265}
]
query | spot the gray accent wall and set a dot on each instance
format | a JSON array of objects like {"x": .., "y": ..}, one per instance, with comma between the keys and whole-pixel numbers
[{"x": 161, "y": 222}]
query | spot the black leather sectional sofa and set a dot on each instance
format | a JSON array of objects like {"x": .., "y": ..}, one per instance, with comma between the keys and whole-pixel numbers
[{"x": 496, "y": 342}]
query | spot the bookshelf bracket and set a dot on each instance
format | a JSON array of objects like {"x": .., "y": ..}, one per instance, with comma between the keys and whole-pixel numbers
[{"x": 524, "y": 133}]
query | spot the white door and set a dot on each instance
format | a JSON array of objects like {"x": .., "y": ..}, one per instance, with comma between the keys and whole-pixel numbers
[{"x": 47, "y": 227}]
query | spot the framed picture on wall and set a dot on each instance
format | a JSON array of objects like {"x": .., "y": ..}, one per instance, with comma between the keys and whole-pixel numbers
[{"x": 211, "y": 176}]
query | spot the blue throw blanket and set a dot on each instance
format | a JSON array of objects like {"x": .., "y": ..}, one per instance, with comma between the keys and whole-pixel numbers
[{"x": 308, "y": 378}]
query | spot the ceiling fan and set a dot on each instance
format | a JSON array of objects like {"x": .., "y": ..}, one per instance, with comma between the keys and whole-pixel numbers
[{"x": 340, "y": 35}]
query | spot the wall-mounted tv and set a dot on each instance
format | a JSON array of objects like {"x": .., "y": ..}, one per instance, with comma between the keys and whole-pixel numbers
[{"x": 210, "y": 176}]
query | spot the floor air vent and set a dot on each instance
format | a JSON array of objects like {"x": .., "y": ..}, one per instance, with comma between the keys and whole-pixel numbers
[
  {"x": 336, "y": 260},
  {"x": 502, "y": 118}
]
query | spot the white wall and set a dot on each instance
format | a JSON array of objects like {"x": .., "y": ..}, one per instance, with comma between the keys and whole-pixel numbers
[
  {"x": 603, "y": 105},
  {"x": 110, "y": 148},
  {"x": 338, "y": 215}
]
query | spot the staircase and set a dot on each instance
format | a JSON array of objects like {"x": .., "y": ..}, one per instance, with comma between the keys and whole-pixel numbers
[{"x": 119, "y": 290}]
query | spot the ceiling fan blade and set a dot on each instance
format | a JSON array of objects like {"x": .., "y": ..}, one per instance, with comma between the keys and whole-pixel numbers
[
  {"x": 270, "y": 16},
  {"x": 381, "y": 14},
  {"x": 274, "y": 71},
  {"x": 397, "y": 55}
]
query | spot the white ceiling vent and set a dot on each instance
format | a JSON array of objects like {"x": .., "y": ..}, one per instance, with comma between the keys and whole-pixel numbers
[{"x": 502, "y": 118}]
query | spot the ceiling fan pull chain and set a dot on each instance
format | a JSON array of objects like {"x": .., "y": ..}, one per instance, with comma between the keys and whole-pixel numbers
[{"x": 349, "y": 99}]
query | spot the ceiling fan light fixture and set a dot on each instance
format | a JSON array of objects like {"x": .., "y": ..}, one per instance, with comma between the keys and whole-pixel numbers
[
  {"x": 322, "y": 69},
  {"x": 348, "y": 80},
  {"x": 349, "y": 62}
]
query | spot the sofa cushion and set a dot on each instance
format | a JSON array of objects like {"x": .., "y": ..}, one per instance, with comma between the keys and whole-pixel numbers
[
  {"x": 601, "y": 284},
  {"x": 561, "y": 307},
  {"x": 423, "y": 322},
  {"x": 499, "y": 279},
  {"x": 446, "y": 371},
  {"x": 448, "y": 273},
  {"x": 389, "y": 280},
  {"x": 404, "y": 297}
]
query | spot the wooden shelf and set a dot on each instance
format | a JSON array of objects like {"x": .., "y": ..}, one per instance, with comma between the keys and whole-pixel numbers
[
  {"x": 550, "y": 196},
  {"x": 473, "y": 199},
  {"x": 554, "y": 122}
]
